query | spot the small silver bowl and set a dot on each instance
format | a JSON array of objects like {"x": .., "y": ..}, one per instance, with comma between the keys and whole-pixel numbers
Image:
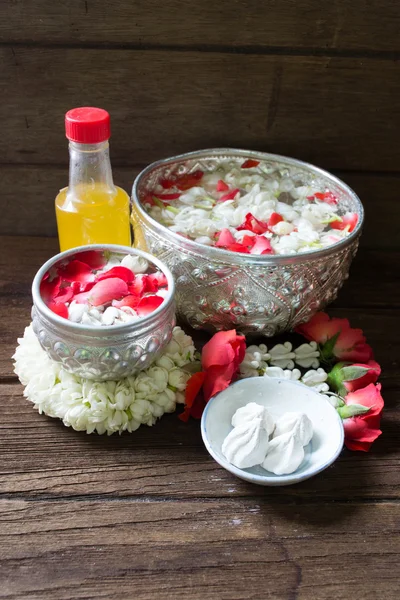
[
  {"x": 217, "y": 289},
  {"x": 106, "y": 352}
]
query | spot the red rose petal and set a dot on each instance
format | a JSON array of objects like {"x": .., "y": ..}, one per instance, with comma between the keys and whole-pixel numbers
[
  {"x": 250, "y": 223},
  {"x": 222, "y": 186},
  {"x": 225, "y": 239},
  {"x": 148, "y": 304},
  {"x": 327, "y": 197},
  {"x": 59, "y": 309},
  {"x": 77, "y": 270},
  {"x": 249, "y": 240},
  {"x": 193, "y": 387},
  {"x": 274, "y": 219},
  {"x": 65, "y": 295},
  {"x": 249, "y": 163},
  {"x": 160, "y": 278},
  {"x": 229, "y": 196},
  {"x": 349, "y": 221},
  {"x": 167, "y": 183},
  {"x": 131, "y": 301},
  {"x": 262, "y": 245},
  {"x": 49, "y": 289},
  {"x": 79, "y": 287},
  {"x": 189, "y": 180},
  {"x": 238, "y": 248},
  {"x": 120, "y": 272},
  {"x": 94, "y": 258}
]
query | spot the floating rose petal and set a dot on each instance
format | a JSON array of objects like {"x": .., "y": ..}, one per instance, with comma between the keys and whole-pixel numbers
[
  {"x": 131, "y": 301},
  {"x": 148, "y": 304},
  {"x": 160, "y": 278},
  {"x": 327, "y": 197},
  {"x": 167, "y": 183},
  {"x": 94, "y": 258},
  {"x": 59, "y": 309},
  {"x": 103, "y": 292},
  {"x": 250, "y": 223},
  {"x": 143, "y": 284},
  {"x": 65, "y": 294},
  {"x": 229, "y": 196},
  {"x": 49, "y": 289},
  {"x": 189, "y": 180},
  {"x": 249, "y": 163},
  {"x": 77, "y": 270},
  {"x": 120, "y": 272},
  {"x": 222, "y": 186},
  {"x": 225, "y": 239},
  {"x": 249, "y": 240},
  {"x": 78, "y": 287},
  {"x": 274, "y": 219},
  {"x": 349, "y": 221},
  {"x": 236, "y": 247},
  {"x": 262, "y": 246}
]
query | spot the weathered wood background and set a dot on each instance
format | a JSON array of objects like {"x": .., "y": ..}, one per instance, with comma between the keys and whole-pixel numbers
[
  {"x": 318, "y": 80},
  {"x": 151, "y": 516}
]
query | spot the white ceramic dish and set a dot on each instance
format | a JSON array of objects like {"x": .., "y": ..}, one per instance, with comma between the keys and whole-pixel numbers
[{"x": 279, "y": 396}]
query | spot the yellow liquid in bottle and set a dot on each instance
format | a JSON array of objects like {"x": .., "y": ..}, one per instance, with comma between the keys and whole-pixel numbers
[{"x": 94, "y": 215}]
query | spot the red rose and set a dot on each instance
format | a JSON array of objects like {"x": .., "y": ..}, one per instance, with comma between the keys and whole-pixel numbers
[
  {"x": 336, "y": 338},
  {"x": 362, "y": 430},
  {"x": 220, "y": 360}
]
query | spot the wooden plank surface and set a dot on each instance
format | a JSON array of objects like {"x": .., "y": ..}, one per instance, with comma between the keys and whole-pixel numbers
[
  {"x": 307, "y": 25},
  {"x": 198, "y": 550},
  {"x": 30, "y": 190},
  {"x": 329, "y": 111}
]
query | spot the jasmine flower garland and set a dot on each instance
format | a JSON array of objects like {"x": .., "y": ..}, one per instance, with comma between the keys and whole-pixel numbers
[{"x": 104, "y": 406}]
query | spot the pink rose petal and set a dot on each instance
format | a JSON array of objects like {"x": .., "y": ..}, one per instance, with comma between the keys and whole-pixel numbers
[
  {"x": 131, "y": 301},
  {"x": 262, "y": 246},
  {"x": 225, "y": 239},
  {"x": 59, "y": 309},
  {"x": 103, "y": 292}
]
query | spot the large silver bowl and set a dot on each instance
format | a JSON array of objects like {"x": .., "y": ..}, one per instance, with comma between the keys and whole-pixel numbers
[
  {"x": 217, "y": 289},
  {"x": 104, "y": 352}
]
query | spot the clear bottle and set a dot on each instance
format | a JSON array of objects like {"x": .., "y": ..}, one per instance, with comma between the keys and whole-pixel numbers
[{"x": 91, "y": 210}]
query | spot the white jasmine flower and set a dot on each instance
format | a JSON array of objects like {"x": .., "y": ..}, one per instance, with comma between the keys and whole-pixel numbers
[
  {"x": 280, "y": 373},
  {"x": 100, "y": 406},
  {"x": 307, "y": 355},
  {"x": 137, "y": 264},
  {"x": 316, "y": 379},
  {"x": 177, "y": 379},
  {"x": 282, "y": 356}
]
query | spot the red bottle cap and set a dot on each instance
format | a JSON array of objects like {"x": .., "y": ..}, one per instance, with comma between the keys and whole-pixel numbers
[{"x": 87, "y": 125}]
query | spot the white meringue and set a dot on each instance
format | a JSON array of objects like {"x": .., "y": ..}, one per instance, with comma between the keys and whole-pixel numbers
[
  {"x": 297, "y": 424},
  {"x": 246, "y": 445},
  {"x": 285, "y": 454},
  {"x": 251, "y": 411}
]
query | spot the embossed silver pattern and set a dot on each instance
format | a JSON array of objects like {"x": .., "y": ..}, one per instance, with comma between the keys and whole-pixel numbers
[
  {"x": 217, "y": 289},
  {"x": 103, "y": 353}
]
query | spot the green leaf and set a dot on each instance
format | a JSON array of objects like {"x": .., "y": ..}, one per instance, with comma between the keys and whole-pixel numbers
[
  {"x": 352, "y": 410},
  {"x": 193, "y": 367},
  {"x": 352, "y": 373},
  {"x": 327, "y": 348},
  {"x": 172, "y": 209}
]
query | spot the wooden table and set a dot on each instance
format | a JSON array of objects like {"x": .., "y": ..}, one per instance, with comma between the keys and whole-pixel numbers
[{"x": 151, "y": 516}]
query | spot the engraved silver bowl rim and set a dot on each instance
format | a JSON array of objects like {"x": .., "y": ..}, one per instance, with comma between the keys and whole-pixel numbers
[
  {"x": 237, "y": 258},
  {"x": 103, "y": 330}
]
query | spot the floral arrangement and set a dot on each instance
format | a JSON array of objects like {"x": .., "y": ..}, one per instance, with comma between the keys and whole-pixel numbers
[
  {"x": 104, "y": 406},
  {"x": 245, "y": 210},
  {"x": 348, "y": 379},
  {"x": 102, "y": 288}
]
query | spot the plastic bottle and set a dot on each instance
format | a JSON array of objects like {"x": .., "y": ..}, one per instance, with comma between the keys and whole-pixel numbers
[{"x": 91, "y": 210}]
